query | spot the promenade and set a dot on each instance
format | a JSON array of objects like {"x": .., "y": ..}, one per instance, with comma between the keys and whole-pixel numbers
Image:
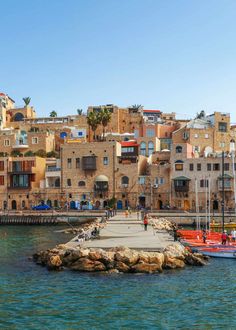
[{"x": 129, "y": 232}]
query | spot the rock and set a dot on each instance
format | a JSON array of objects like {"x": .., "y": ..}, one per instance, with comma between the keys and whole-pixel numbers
[
  {"x": 70, "y": 256},
  {"x": 87, "y": 265},
  {"x": 54, "y": 262},
  {"x": 122, "y": 267},
  {"x": 176, "y": 250},
  {"x": 157, "y": 258},
  {"x": 127, "y": 256},
  {"x": 144, "y": 257},
  {"x": 195, "y": 259},
  {"x": 96, "y": 254},
  {"x": 172, "y": 263},
  {"x": 143, "y": 267}
]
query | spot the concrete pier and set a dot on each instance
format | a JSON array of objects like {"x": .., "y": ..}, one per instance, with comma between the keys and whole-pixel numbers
[{"x": 129, "y": 232}]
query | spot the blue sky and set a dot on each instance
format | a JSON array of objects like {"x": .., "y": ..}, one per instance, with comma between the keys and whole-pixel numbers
[{"x": 173, "y": 55}]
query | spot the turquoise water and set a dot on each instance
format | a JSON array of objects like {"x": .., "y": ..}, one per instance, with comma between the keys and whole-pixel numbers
[{"x": 33, "y": 298}]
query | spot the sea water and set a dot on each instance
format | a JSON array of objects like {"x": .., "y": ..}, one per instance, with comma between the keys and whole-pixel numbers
[{"x": 33, "y": 298}]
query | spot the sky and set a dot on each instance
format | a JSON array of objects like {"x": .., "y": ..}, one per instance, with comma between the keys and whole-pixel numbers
[{"x": 172, "y": 55}]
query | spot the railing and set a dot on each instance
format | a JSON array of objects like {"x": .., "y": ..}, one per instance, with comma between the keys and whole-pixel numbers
[
  {"x": 181, "y": 188},
  {"x": 53, "y": 169}
]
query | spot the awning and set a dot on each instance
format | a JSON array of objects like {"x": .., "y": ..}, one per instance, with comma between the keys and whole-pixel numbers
[
  {"x": 226, "y": 176},
  {"x": 182, "y": 178},
  {"x": 101, "y": 178}
]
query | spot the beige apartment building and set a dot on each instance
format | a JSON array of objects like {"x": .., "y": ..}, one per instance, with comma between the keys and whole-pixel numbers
[{"x": 19, "y": 181}]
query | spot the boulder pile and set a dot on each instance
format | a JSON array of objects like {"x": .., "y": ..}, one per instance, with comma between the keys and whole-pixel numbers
[
  {"x": 118, "y": 260},
  {"x": 161, "y": 223}
]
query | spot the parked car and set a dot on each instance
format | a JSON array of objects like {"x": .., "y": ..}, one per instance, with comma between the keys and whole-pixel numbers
[{"x": 41, "y": 207}]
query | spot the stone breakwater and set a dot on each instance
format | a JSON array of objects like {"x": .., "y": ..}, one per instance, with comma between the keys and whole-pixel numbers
[{"x": 118, "y": 260}]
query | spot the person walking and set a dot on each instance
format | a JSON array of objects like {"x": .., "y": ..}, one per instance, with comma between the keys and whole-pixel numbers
[
  {"x": 204, "y": 236},
  {"x": 145, "y": 222},
  {"x": 224, "y": 237}
]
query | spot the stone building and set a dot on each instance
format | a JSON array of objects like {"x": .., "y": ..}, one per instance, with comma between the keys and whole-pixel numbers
[{"x": 19, "y": 180}]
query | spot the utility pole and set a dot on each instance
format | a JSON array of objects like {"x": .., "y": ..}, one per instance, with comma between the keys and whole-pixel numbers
[{"x": 223, "y": 191}]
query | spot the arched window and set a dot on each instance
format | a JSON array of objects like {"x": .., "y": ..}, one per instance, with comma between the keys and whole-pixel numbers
[
  {"x": 81, "y": 183},
  {"x": 179, "y": 165},
  {"x": 18, "y": 116},
  {"x": 143, "y": 148},
  {"x": 69, "y": 182},
  {"x": 57, "y": 182},
  {"x": 125, "y": 180},
  {"x": 23, "y": 204},
  {"x": 150, "y": 148},
  {"x": 178, "y": 149}
]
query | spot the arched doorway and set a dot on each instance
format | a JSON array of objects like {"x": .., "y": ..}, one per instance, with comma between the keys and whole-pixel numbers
[
  {"x": 97, "y": 204},
  {"x": 72, "y": 205},
  {"x": 215, "y": 205},
  {"x": 119, "y": 205},
  {"x": 142, "y": 201},
  {"x": 18, "y": 117},
  {"x": 105, "y": 204},
  {"x": 13, "y": 205},
  {"x": 160, "y": 205}
]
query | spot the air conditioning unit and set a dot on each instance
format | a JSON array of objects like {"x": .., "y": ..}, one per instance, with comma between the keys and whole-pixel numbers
[{"x": 155, "y": 185}]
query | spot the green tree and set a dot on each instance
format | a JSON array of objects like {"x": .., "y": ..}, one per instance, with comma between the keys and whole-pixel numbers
[
  {"x": 104, "y": 118},
  {"x": 29, "y": 153},
  {"x": 26, "y": 100},
  {"x": 41, "y": 153},
  {"x": 16, "y": 153},
  {"x": 93, "y": 121},
  {"x": 53, "y": 154},
  {"x": 53, "y": 113},
  {"x": 136, "y": 106}
]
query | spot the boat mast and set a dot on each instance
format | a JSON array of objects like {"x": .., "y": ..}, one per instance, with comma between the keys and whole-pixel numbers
[{"x": 223, "y": 191}]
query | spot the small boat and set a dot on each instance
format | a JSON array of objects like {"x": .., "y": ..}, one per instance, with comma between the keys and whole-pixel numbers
[{"x": 218, "y": 252}]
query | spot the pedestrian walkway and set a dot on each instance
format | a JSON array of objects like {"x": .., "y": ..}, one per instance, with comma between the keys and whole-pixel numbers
[{"x": 128, "y": 231}]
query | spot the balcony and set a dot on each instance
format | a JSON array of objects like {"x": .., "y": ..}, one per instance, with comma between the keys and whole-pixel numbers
[
  {"x": 181, "y": 184},
  {"x": 89, "y": 163},
  {"x": 53, "y": 172},
  {"x": 18, "y": 146},
  {"x": 228, "y": 183}
]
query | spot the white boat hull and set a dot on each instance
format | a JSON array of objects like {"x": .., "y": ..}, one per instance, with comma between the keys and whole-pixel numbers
[{"x": 220, "y": 254}]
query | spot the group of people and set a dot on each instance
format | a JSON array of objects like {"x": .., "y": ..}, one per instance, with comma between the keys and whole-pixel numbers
[{"x": 226, "y": 238}]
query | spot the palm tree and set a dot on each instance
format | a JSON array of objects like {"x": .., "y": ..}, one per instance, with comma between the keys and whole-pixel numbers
[
  {"x": 136, "y": 106},
  {"x": 26, "y": 100},
  {"x": 79, "y": 111},
  {"x": 105, "y": 117},
  {"x": 93, "y": 121},
  {"x": 53, "y": 113}
]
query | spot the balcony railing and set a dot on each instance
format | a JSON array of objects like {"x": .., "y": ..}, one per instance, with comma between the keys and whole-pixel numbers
[
  {"x": 53, "y": 169},
  {"x": 181, "y": 188}
]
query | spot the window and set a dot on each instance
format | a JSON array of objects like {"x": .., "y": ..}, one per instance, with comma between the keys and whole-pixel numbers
[
  {"x": 161, "y": 180},
  {"x": 179, "y": 166},
  {"x": 178, "y": 149},
  {"x": 150, "y": 148},
  {"x": 1, "y": 180},
  {"x": 81, "y": 183},
  {"x": 156, "y": 181},
  {"x": 69, "y": 162},
  {"x": 191, "y": 167},
  {"x": 150, "y": 132},
  {"x": 141, "y": 180},
  {"x": 204, "y": 183},
  {"x": 125, "y": 181},
  {"x": 222, "y": 144},
  {"x": 206, "y": 136},
  {"x": 143, "y": 148},
  {"x": 185, "y": 135},
  {"x": 77, "y": 162},
  {"x": 216, "y": 167},
  {"x": 35, "y": 140},
  {"x": 105, "y": 160},
  {"x": 208, "y": 167},
  {"x": 6, "y": 143},
  {"x": 223, "y": 127},
  {"x": 226, "y": 166},
  {"x": 1, "y": 165},
  {"x": 196, "y": 149},
  {"x": 21, "y": 180},
  {"x": 127, "y": 149},
  {"x": 199, "y": 167},
  {"x": 196, "y": 136},
  {"x": 69, "y": 182}
]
